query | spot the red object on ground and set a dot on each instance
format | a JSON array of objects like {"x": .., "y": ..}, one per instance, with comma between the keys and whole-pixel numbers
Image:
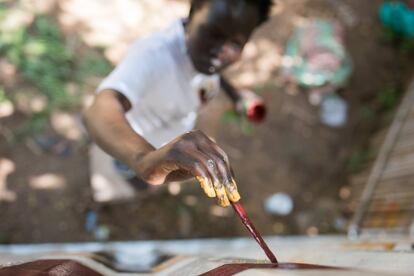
[
  {"x": 231, "y": 269},
  {"x": 250, "y": 227}
]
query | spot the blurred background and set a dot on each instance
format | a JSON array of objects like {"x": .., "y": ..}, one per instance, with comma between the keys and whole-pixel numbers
[{"x": 300, "y": 172}]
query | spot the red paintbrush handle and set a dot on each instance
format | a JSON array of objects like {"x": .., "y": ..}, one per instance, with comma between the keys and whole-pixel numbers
[{"x": 238, "y": 208}]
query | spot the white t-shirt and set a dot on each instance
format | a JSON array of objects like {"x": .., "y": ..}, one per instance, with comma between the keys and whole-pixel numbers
[{"x": 159, "y": 80}]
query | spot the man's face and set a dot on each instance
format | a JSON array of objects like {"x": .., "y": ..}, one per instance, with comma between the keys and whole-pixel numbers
[{"x": 217, "y": 33}]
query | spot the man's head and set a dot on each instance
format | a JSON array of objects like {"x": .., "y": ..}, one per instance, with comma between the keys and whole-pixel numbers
[{"x": 217, "y": 30}]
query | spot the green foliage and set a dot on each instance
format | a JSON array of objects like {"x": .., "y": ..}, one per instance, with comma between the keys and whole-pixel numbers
[
  {"x": 388, "y": 98},
  {"x": 231, "y": 117},
  {"x": 41, "y": 57},
  {"x": 358, "y": 159},
  {"x": 36, "y": 124},
  {"x": 44, "y": 61},
  {"x": 368, "y": 113},
  {"x": 382, "y": 107},
  {"x": 3, "y": 97},
  {"x": 405, "y": 45},
  {"x": 408, "y": 46},
  {"x": 94, "y": 64},
  {"x": 385, "y": 101}
]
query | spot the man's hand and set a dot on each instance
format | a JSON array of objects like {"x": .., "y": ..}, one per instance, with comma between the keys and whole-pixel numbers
[{"x": 191, "y": 155}]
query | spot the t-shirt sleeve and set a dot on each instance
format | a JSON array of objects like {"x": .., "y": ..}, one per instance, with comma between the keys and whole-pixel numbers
[{"x": 136, "y": 73}]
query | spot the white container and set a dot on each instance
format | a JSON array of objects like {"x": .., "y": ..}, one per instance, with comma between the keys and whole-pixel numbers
[
  {"x": 280, "y": 204},
  {"x": 333, "y": 111}
]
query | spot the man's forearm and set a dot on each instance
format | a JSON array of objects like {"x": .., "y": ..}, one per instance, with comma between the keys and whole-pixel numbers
[
  {"x": 106, "y": 123},
  {"x": 229, "y": 89}
]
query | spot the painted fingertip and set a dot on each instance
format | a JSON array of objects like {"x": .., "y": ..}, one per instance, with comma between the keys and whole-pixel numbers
[
  {"x": 223, "y": 201},
  {"x": 208, "y": 189},
  {"x": 209, "y": 192},
  {"x": 235, "y": 197}
]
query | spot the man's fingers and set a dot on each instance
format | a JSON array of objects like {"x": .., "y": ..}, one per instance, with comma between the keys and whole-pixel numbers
[
  {"x": 232, "y": 192},
  {"x": 215, "y": 168},
  {"x": 195, "y": 163},
  {"x": 222, "y": 198},
  {"x": 203, "y": 178},
  {"x": 211, "y": 165},
  {"x": 220, "y": 191},
  {"x": 206, "y": 185},
  {"x": 222, "y": 169},
  {"x": 232, "y": 188}
]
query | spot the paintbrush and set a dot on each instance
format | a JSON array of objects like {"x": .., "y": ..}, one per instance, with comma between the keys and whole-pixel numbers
[{"x": 238, "y": 208}]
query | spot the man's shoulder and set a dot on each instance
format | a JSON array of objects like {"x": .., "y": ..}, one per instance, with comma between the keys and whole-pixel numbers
[
  {"x": 161, "y": 44},
  {"x": 154, "y": 43},
  {"x": 166, "y": 38}
]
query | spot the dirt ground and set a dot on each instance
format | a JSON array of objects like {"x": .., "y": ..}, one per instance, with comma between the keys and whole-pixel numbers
[{"x": 291, "y": 152}]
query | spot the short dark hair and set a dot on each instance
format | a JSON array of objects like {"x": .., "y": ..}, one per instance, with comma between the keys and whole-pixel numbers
[{"x": 263, "y": 6}]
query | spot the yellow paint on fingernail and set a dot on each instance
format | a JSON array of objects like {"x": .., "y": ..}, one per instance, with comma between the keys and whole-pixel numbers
[
  {"x": 235, "y": 197},
  {"x": 208, "y": 190},
  {"x": 224, "y": 201}
]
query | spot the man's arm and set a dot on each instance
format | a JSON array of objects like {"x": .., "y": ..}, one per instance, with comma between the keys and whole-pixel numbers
[
  {"x": 230, "y": 90},
  {"x": 192, "y": 154},
  {"x": 106, "y": 123}
]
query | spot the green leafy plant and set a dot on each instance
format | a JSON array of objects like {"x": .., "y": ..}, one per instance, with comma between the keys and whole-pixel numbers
[
  {"x": 405, "y": 44},
  {"x": 44, "y": 61},
  {"x": 231, "y": 117},
  {"x": 388, "y": 98},
  {"x": 358, "y": 159},
  {"x": 3, "y": 96}
]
